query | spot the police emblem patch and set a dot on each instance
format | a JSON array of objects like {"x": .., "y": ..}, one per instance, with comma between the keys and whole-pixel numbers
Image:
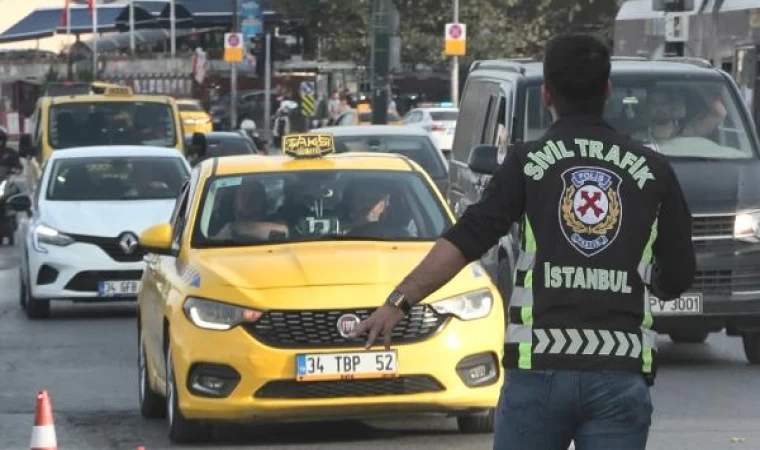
[{"x": 590, "y": 209}]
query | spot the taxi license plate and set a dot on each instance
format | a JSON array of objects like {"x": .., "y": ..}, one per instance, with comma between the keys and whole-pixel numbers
[
  {"x": 118, "y": 288},
  {"x": 687, "y": 304},
  {"x": 346, "y": 366}
]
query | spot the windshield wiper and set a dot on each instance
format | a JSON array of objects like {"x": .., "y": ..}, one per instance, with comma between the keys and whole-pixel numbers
[{"x": 346, "y": 237}]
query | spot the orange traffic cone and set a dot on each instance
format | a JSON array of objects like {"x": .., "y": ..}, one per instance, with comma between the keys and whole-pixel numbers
[{"x": 43, "y": 433}]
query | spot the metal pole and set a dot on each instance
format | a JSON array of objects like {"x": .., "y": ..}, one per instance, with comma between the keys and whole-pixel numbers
[
  {"x": 268, "y": 90},
  {"x": 173, "y": 27},
  {"x": 233, "y": 72},
  {"x": 132, "y": 26},
  {"x": 94, "y": 39},
  {"x": 455, "y": 65}
]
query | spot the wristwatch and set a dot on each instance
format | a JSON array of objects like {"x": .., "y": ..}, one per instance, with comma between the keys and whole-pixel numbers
[{"x": 399, "y": 301}]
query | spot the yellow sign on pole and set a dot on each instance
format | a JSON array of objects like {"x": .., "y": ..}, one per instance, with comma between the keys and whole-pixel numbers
[
  {"x": 233, "y": 47},
  {"x": 456, "y": 39}
]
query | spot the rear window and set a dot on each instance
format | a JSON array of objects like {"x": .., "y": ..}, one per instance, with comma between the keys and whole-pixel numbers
[
  {"x": 444, "y": 116},
  {"x": 229, "y": 147},
  {"x": 417, "y": 148},
  {"x": 190, "y": 107},
  {"x": 367, "y": 117}
]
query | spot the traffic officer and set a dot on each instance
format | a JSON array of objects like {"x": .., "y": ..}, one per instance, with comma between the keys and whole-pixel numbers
[
  {"x": 604, "y": 222},
  {"x": 10, "y": 162}
]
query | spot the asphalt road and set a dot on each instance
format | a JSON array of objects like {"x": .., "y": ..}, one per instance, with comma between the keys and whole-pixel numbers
[{"x": 706, "y": 397}]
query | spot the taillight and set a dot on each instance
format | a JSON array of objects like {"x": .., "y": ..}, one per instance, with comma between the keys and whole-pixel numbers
[{"x": 437, "y": 126}]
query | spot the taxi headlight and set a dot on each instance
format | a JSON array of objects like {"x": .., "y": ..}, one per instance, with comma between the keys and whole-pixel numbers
[
  {"x": 471, "y": 306},
  {"x": 212, "y": 315},
  {"x": 747, "y": 227},
  {"x": 44, "y": 234}
]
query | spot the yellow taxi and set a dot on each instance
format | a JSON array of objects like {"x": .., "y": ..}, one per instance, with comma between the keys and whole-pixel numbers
[
  {"x": 194, "y": 118},
  {"x": 364, "y": 111},
  {"x": 268, "y": 264},
  {"x": 115, "y": 117}
]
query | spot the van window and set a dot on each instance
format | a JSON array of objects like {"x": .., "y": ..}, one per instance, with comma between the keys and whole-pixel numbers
[
  {"x": 684, "y": 118},
  {"x": 472, "y": 115}
]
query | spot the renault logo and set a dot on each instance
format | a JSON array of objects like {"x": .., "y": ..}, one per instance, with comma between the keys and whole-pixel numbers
[
  {"x": 128, "y": 243},
  {"x": 347, "y": 323}
]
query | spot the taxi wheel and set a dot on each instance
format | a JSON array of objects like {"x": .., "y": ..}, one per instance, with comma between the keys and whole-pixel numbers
[
  {"x": 181, "y": 430},
  {"x": 752, "y": 347},
  {"x": 152, "y": 405},
  {"x": 476, "y": 423}
]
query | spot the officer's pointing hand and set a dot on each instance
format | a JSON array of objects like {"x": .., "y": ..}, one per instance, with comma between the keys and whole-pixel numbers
[{"x": 383, "y": 320}]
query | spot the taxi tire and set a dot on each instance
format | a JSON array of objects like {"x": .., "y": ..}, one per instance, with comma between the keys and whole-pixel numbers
[
  {"x": 751, "y": 343},
  {"x": 152, "y": 405},
  {"x": 181, "y": 430},
  {"x": 477, "y": 423}
]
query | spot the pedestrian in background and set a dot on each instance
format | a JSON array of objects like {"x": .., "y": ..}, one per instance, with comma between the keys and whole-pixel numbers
[{"x": 604, "y": 221}]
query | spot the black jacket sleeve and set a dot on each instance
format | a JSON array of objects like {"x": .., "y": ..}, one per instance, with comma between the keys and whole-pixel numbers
[
  {"x": 484, "y": 223},
  {"x": 673, "y": 250}
]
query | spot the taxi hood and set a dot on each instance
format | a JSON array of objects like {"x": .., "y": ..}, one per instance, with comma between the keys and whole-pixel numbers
[{"x": 309, "y": 264}]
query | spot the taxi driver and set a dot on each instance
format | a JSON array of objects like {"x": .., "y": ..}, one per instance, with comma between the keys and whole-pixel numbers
[
  {"x": 367, "y": 203},
  {"x": 250, "y": 215}
]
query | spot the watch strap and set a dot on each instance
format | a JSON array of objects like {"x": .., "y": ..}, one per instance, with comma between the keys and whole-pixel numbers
[{"x": 398, "y": 300}]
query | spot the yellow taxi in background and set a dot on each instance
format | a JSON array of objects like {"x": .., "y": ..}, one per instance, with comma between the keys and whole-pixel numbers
[
  {"x": 194, "y": 118},
  {"x": 269, "y": 263}
]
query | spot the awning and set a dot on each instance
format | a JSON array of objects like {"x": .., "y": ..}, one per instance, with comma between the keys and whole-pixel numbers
[
  {"x": 120, "y": 41},
  {"x": 147, "y": 13},
  {"x": 81, "y": 20},
  {"x": 206, "y": 13},
  {"x": 47, "y": 22}
]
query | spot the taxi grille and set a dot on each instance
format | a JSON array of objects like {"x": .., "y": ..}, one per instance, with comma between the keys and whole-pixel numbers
[
  {"x": 319, "y": 328},
  {"x": 291, "y": 389},
  {"x": 713, "y": 226},
  {"x": 726, "y": 281}
]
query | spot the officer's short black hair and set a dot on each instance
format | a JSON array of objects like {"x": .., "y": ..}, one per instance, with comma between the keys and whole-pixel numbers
[{"x": 576, "y": 73}]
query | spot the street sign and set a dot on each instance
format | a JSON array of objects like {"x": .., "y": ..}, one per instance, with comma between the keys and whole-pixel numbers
[
  {"x": 233, "y": 47},
  {"x": 252, "y": 19},
  {"x": 307, "y": 87},
  {"x": 677, "y": 27},
  {"x": 307, "y": 98},
  {"x": 456, "y": 39}
]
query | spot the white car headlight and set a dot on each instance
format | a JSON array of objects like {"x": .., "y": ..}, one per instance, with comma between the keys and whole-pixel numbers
[
  {"x": 747, "y": 226},
  {"x": 471, "y": 306},
  {"x": 44, "y": 234},
  {"x": 213, "y": 315}
]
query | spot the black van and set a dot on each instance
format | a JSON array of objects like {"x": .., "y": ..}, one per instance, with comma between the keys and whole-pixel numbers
[{"x": 719, "y": 173}]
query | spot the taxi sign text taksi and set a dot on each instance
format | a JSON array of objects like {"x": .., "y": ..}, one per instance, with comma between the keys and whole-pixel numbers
[{"x": 308, "y": 145}]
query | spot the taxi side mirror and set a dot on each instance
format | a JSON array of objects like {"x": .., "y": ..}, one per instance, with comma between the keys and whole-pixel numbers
[
  {"x": 157, "y": 239},
  {"x": 484, "y": 159}
]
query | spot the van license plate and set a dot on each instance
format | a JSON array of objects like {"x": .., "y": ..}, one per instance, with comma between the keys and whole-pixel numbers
[
  {"x": 346, "y": 366},
  {"x": 687, "y": 304}
]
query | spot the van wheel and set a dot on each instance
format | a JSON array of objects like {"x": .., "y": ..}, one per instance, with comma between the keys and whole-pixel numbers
[
  {"x": 752, "y": 347},
  {"x": 689, "y": 337},
  {"x": 181, "y": 430},
  {"x": 476, "y": 423}
]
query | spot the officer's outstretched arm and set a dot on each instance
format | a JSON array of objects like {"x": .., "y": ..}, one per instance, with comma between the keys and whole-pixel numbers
[
  {"x": 673, "y": 249},
  {"x": 479, "y": 229}
]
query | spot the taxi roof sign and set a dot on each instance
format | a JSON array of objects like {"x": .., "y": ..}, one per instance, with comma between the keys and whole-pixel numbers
[
  {"x": 308, "y": 145},
  {"x": 115, "y": 90}
]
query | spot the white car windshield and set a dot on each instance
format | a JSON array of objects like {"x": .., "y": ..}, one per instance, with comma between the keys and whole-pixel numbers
[
  {"x": 287, "y": 207},
  {"x": 109, "y": 179},
  {"x": 684, "y": 118}
]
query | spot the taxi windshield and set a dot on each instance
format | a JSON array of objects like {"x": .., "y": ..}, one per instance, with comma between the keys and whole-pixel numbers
[
  {"x": 684, "y": 118},
  {"x": 85, "y": 124},
  {"x": 417, "y": 148},
  {"x": 300, "y": 206},
  {"x": 117, "y": 178}
]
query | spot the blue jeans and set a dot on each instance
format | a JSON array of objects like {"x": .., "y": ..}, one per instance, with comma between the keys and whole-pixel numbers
[{"x": 546, "y": 410}]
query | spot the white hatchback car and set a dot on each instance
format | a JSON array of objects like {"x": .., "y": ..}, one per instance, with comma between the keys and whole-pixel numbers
[
  {"x": 440, "y": 122},
  {"x": 80, "y": 240}
]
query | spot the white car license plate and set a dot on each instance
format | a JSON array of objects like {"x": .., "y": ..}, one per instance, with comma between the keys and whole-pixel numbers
[
  {"x": 346, "y": 366},
  {"x": 686, "y": 304},
  {"x": 118, "y": 288}
]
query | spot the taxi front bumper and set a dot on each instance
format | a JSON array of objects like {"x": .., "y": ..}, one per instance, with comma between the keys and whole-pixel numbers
[{"x": 431, "y": 376}]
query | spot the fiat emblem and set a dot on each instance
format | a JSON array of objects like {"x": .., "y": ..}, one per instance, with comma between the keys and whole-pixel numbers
[{"x": 347, "y": 323}]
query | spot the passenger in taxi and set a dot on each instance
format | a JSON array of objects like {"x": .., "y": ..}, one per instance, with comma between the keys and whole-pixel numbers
[{"x": 250, "y": 221}]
